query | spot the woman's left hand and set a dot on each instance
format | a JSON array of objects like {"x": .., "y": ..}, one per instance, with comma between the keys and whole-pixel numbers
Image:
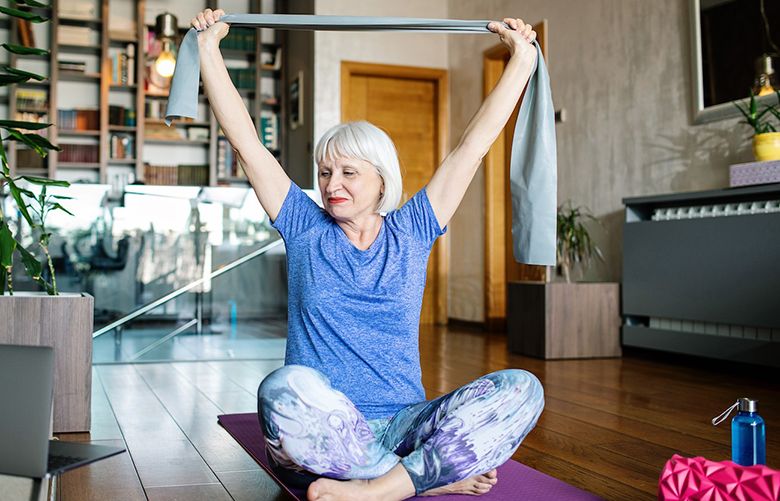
[{"x": 517, "y": 36}]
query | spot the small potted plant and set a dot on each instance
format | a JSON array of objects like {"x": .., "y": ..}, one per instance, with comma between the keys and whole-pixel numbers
[
  {"x": 566, "y": 319},
  {"x": 575, "y": 247},
  {"x": 766, "y": 139},
  {"x": 45, "y": 317}
]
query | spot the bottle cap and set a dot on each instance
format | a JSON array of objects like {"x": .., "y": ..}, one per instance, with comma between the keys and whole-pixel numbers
[{"x": 748, "y": 405}]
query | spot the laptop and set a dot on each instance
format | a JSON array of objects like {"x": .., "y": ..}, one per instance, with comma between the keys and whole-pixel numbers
[{"x": 26, "y": 390}]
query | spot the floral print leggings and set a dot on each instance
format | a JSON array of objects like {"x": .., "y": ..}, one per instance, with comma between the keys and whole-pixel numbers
[{"x": 312, "y": 428}]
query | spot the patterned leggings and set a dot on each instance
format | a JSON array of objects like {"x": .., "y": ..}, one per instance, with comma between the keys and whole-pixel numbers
[{"x": 310, "y": 427}]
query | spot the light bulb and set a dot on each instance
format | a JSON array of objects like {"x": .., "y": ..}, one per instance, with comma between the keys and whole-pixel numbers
[
  {"x": 766, "y": 81},
  {"x": 165, "y": 64}
]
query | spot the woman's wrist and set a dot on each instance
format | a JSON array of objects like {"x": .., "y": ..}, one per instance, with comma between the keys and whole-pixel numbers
[{"x": 207, "y": 41}]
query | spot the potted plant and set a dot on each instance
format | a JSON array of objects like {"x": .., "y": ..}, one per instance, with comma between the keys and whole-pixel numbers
[
  {"x": 45, "y": 317},
  {"x": 566, "y": 319},
  {"x": 766, "y": 139}
]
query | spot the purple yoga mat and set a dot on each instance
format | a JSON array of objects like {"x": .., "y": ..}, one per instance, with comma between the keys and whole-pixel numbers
[{"x": 515, "y": 481}]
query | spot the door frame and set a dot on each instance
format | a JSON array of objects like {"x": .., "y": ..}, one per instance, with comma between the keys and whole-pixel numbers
[
  {"x": 440, "y": 79},
  {"x": 495, "y": 288}
]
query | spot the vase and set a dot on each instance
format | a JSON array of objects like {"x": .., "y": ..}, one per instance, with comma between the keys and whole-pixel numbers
[{"x": 766, "y": 146}]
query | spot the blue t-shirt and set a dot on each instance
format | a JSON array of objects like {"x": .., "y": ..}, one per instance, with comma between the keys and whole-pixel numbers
[{"x": 354, "y": 314}]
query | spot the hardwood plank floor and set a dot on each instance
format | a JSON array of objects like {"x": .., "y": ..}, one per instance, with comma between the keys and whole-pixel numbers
[{"x": 608, "y": 426}]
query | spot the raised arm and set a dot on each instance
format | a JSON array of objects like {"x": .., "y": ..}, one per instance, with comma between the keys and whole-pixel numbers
[
  {"x": 266, "y": 176},
  {"x": 448, "y": 185}
]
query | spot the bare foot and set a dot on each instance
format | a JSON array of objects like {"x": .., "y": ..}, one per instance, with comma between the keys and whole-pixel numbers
[
  {"x": 472, "y": 486},
  {"x": 326, "y": 489}
]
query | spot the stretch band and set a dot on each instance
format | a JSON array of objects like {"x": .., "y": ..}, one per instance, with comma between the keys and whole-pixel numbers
[{"x": 533, "y": 171}]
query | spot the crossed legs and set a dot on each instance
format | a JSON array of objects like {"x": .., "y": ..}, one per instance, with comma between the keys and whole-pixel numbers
[{"x": 311, "y": 427}]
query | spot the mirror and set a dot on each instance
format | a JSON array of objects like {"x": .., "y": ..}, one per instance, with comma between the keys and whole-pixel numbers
[{"x": 728, "y": 40}]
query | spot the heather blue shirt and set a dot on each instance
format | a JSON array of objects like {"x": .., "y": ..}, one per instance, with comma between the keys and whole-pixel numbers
[{"x": 354, "y": 315}]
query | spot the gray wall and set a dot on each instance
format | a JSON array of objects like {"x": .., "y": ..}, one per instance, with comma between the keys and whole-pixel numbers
[{"x": 621, "y": 70}]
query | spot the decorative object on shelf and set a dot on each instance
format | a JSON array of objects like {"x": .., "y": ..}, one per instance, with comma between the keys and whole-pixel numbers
[
  {"x": 296, "y": 101},
  {"x": 166, "y": 29},
  {"x": 574, "y": 243},
  {"x": 754, "y": 173},
  {"x": 47, "y": 318},
  {"x": 766, "y": 141}
]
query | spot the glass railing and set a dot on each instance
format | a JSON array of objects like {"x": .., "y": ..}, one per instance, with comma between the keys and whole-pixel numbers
[
  {"x": 134, "y": 249},
  {"x": 214, "y": 319}
]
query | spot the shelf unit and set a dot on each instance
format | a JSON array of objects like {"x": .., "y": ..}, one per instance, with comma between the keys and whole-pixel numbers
[{"x": 105, "y": 90}]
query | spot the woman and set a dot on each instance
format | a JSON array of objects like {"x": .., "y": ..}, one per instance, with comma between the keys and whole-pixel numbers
[{"x": 349, "y": 402}]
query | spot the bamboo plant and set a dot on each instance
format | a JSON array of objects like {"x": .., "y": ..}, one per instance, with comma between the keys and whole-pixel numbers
[
  {"x": 575, "y": 247},
  {"x": 759, "y": 120},
  {"x": 32, "y": 208}
]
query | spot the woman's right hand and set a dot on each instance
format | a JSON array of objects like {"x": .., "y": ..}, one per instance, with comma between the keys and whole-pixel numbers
[{"x": 208, "y": 24}]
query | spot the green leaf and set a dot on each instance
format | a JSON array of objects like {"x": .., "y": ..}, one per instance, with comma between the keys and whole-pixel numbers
[
  {"x": 26, "y": 51},
  {"x": 60, "y": 207},
  {"x": 62, "y": 197},
  {"x": 17, "y": 195},
  {"x": 12, "y": 79},
  {"x": 23, "y": 14},
  {"x": 50, "y": 182},
  {"x": 7, "y": 246},
  {"x": 17, "y": 71},
  {"x": 3, "y": 279},
  {"x": 39, "y": 143},
  {"x": 33, "y": 267},
  {"x": 16, "y": 124},
  {"x": 6, "y": 170},
  {"x": 33, "y": 3}
]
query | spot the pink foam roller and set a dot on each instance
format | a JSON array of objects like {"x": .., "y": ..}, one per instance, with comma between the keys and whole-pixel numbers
[{"x": 699, "y": 479}]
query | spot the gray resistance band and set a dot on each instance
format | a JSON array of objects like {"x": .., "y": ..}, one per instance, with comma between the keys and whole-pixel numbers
[{"x": 533, "y": 170}]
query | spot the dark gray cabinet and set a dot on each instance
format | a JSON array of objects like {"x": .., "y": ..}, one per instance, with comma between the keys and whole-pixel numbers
[{"x": 701, "y": 274}]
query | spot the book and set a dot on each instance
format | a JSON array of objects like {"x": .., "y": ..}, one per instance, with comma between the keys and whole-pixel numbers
[{"x": 26, "y": 34}]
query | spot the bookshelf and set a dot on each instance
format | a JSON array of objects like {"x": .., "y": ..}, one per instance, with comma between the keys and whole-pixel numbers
[{"x": 114, "y": 140}]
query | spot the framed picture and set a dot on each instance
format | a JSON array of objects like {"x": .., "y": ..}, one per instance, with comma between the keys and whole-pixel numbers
[{"x": 296, "y": 101}]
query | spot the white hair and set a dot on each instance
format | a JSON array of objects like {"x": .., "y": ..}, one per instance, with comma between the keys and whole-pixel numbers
[{"x": 365, "y": 141}]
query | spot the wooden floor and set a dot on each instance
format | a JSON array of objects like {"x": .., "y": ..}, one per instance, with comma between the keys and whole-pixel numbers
[{"x": 608, "y": 426}]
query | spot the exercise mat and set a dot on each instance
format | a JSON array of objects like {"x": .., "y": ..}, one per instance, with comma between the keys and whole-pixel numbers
[
  {"x": 515, "y": 481},
  {"x": 533, "y": 168}
]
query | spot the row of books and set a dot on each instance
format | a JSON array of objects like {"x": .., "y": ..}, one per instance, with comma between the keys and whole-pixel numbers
[
  {"x": 243, "y": 78},
  {"x": 78, "y": 153},
  {"x": 269, "y": 129},
  {"x": 119, "y": 115},
  {"x": 155, "y": 108},
  {"x": 32, "y": 99},
  {"x": 228, "y": 165},
  {"x": 75, "y": 66},
  {"x": 239, "y": 39},
  {"x": 78, "y": 9},
  {"x": 182, "y": 175},
  {"x": 121, "y": 146},
  {"x": 79, "y": 119},
  {"x": 123, "y": 66},
  {"x": 74, "y": 35}
]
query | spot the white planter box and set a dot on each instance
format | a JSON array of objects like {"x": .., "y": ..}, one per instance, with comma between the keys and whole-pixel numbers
[{"x": 63, "y": 322}]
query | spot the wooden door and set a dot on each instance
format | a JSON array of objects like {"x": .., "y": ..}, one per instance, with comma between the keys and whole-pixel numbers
[
  {"x": 500, "y": 265},
  {"x": 410, "y": 104}
]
